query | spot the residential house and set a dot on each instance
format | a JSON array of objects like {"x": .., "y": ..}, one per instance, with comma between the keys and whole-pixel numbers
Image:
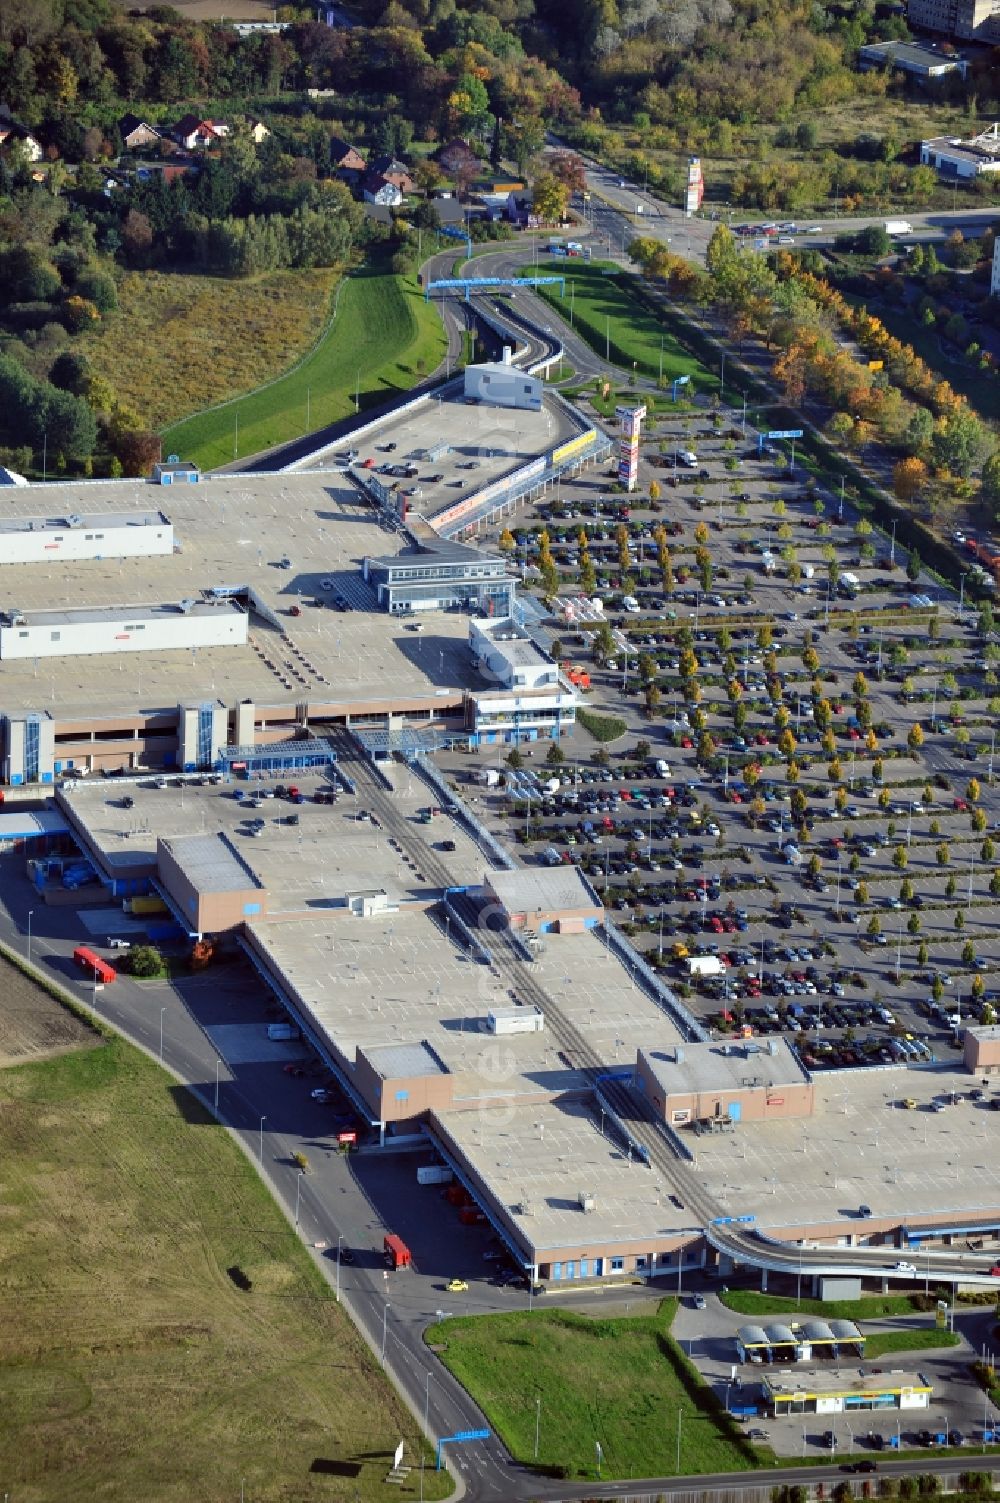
[
  {"x": 378, "y": 190},
  {"x": 457, "y": 156},
  {"x": 521, "y": 210},
  {"x": 448, "y": 212},
  {"x": 382, "y": 214},
  {"x": 195, "y": 134},
  {"x": 12, "y": 135},
  {"x": 137, "y": 134},
  {"x": 346, "y": 159},
  {"x": 393, "y": 171}
]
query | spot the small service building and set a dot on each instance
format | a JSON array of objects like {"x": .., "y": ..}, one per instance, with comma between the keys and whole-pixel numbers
[
  {"x": 543, "y": 900},
  {"x": 501, "y": 385},
  {"x": 742, "y": 1081},
  {"x": 845, "y": 1392}
]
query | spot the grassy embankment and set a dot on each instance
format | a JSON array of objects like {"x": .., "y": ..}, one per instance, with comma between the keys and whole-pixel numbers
[
  {"x": 618, "y": 327},
  {"x": 179, "y": 342},
  {"x": 131, "y": 1365},
  {"x": 869, "y": 1307},
  {"x": 616, "y": 1383},
  {"x": 382, "y": 340}
]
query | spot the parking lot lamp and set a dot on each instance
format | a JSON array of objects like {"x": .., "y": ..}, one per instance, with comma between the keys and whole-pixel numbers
[{"x": 31, "y": 911}]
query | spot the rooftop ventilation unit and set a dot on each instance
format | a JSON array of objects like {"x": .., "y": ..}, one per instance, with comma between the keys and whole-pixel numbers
[
  {"x": 587, "y": 1202},
  {"x": 184, "y": 606}
]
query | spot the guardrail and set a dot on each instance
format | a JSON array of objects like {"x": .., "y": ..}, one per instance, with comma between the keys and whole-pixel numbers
[
  {"x": 685, "y": 1020},
  {"x": 486, "y": 841}
]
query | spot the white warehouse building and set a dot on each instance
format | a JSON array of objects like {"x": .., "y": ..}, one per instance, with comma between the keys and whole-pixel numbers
[
  {"x": 955, "y": 158},
  {"x": 35, "y": 540},
  {"x": 500, "y": 384},
  {"x": 122, "y": 628}
]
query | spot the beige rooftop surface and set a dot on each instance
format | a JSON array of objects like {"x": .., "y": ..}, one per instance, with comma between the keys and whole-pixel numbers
[
  {"x": 496, "y": 439},
  {"x": 395, "y": 979},
  {"x": 543, "y": 1157},
  {"x": 862, "y": 1147},
  {"x": 303, "y": 866},
  {"x": 232, "y": 531}
]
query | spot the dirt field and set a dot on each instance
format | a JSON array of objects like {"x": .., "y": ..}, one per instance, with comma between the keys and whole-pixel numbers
[
  {"x": 34, "y": 1025},
  {"x": 213, "y": 10}
]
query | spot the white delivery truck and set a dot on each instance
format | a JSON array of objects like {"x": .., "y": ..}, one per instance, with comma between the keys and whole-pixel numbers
[
  {"x": 434, "y": 1174},
  {"x": 808, "y": 570},
  {"x": 898, "y": 227},
  {"x": 704, "y": 965}
]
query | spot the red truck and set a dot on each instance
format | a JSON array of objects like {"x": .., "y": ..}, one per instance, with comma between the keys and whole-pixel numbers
[
  {"x": 397, "y": 1254},
  {"x": 93, "y": 964}
]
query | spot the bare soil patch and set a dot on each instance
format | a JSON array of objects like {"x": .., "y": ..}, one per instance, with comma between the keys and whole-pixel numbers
[{"x": 33, "y": 1025}]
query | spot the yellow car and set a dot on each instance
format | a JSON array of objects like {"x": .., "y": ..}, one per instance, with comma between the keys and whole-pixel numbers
[
  {"x": 909, "y": 1103},
  {"x": 457, "y": 1286}
]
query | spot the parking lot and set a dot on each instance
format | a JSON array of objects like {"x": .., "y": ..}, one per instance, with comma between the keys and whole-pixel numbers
[
  {"x": 797, "y": 823},
  {"x": 955, "y": 1412}
]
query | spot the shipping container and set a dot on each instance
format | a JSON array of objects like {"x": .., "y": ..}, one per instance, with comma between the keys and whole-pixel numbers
[
  {"x": 93, "y": 964},
  {"x": 515, "y": 1020},
  {"x": 148, "y": 904},
  {"x": 282, "y": 1031},
  {"x": 397, "y": 1254}
]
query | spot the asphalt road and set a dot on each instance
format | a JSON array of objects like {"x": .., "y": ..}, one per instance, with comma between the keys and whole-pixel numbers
[
  {"x": 272, "y": 1117},
  {"x": 613, "y": 215}
]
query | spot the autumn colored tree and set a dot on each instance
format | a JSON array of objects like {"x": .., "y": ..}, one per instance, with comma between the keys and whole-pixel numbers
[{"x": 908, "y": 476}]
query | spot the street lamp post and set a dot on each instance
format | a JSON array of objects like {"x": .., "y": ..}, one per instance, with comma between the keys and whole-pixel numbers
[
  {"x": 260, "y": 1154},
  {"x": 162, "y": 1011},
  {"x": 340, "y": 1239},
  {"x": 218, "y": 1062},
  {"x": 385, "y": 1327},
  {"x": 538, "y": 1421},
  {"x": 680, "y": 1416},
  {"x": 427, "y": 1407},
  {"x": 298, "y": 1188},
  {"x": 31, "y": 911}
]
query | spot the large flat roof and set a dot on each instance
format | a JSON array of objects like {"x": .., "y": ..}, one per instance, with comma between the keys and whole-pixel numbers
[
  {"x": 725, "y": 1066},
  {"x": 828, "y": 1382},
  {"x": 531, "y": 889},
  {"x": 861, "y": 1147},
  {"x": 211, "y": 863},
  {"x": 148, "y": 611},
  {"x": 79, "y": 522},
  {"x": 397, "y": 978},
  {"x": 542, "y": 1158},
  {"x": 306, "y": 867},
  {"x": 233, "y": 531},
  {"x": 497, "y": 440}
]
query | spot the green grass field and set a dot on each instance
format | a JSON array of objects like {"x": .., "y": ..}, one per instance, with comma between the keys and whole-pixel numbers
[
  {"x": 617, "y": 326},
  {"x": 921, "y": 1339},
  {"x": 131, "y": 1366},
  {"x": 871, "y": 1307},
  {"x": 619, "y": 1383},
  {"x": 601, "y": 727},
  {"x": 382, "y": 340}
]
